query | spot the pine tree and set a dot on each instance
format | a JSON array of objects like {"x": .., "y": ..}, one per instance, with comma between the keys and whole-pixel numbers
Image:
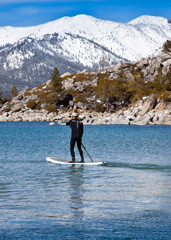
[
  {"x": 102, "y": 90},
  {"x": 56, "y": 85},
  {"x": 56, "y": 81},
  {"x": 138, "y": 88},
  {"x": 159, "y": 83},
  {"x": 167, "y": 47},
  {"x": 14, "y": 91},
  {"x": 120, "y": 87}
]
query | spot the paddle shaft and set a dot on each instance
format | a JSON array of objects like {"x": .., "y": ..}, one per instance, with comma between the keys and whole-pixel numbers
[{"x": 87, "y": 152}]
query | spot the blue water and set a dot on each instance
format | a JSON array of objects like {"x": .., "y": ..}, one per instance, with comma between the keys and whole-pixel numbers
[{"x": 127, "y": 198}]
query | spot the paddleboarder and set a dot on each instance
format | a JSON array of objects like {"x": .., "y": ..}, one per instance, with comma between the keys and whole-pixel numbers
[{"x": 77, "y": 132}]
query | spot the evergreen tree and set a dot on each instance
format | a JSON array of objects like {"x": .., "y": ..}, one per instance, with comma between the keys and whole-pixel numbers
[
  {"x": 138, "y": 87},
  {"x": 56, "y": 86},
  {"x": 119, "y": 90},
  {"x": 102, "y": 90},
  {"x": 56, "y": 81},
  {"x": 14, "y": 91},
  {"x": 167, "y": 47},
  {"x": 159, "y": 84}
]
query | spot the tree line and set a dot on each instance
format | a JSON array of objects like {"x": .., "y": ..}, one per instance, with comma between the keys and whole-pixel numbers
[
  {"x": 119, "y": 91},
  {"x": 116, "y": 92},
  {"x": 14, "y": 93}
]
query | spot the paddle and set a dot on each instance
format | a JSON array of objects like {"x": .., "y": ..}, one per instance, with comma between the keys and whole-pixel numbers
[{"x": 87, "y": 152}]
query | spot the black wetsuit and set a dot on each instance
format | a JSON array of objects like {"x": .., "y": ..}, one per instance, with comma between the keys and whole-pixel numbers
[{"x": 76, "y": 136}]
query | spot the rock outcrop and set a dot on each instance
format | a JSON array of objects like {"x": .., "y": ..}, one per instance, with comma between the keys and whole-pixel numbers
[
  {"x": 148, "y": 66},
  {"x": 148, "y": 110},
  {"x": 140, "y": 113}
]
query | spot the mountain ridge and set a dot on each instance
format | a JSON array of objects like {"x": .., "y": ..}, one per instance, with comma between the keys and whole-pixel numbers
[{"x": 28, "y": 55}]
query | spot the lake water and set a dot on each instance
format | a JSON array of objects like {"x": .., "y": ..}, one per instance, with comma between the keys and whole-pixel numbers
[{"x": 127, "y": 198}]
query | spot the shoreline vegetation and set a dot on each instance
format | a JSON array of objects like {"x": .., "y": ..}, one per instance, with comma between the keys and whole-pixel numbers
[
  {"x": 127, "y": 93},
  {"x": 140, "y": 113}
]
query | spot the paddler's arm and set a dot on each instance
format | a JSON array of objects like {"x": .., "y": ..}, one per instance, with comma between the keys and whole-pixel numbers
[{"x": 68, "y": 123}]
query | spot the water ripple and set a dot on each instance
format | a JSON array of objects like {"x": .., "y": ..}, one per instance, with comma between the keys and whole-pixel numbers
[
  {"x": 138, "y": 166},
  {"x": 129, "y": 197}
]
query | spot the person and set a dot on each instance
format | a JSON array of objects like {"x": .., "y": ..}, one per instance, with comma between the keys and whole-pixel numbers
[{"x": 77, "y": 132}]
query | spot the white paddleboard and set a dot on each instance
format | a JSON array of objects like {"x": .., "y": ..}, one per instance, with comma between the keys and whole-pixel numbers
[{"x": 64, "y": 161}]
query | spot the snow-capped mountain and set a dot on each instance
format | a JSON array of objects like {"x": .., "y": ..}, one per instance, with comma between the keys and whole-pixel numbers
[{"x": 28, "y": 55}]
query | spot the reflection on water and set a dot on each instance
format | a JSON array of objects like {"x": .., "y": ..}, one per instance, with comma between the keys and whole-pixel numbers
[{"x": 76, "y": 190}]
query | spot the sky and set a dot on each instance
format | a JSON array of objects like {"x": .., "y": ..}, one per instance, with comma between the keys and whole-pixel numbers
[{"x": 23, "y": 13}]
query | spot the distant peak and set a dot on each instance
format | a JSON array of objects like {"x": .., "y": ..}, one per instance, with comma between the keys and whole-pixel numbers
[{"x": 147, "y": 19}]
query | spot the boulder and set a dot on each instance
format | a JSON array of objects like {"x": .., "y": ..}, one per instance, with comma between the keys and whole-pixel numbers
[
  {"x": 125, "y": 65},
  {"x": 139, "y": 103},
  {"x": 149, "y": 77},
  {"x": 146, "y": 119},
  {"x": 152, "y": 69},
  {"x": 10, "y": 118},
  {"x": 85, "y": 71},
  {"x": 166, "y": 63},
  {"x": 124, "y": 121},
  {"x": 94, "y": 82},
  {"x": 71, "y": 104},
  {"x": 31, "y": 119},
  {"x": 169, "y": 98},
  {"x": 139, "y": 123},
  {"x": 145, "y": 72},
  {"x": 138, "y": 118},
  {"x": 116, "y": 68},
  {"x": 162, "y": 57},
  {"x": 4, "y": 107},
  {"x": 17, "y": 107},
  {"x": 164, "y": 120},
  {"x": 87, "y": 83},
  {"x": 104, "y": 121},
  {"x": 143, "y": 63},
  {"x": 155, "y": 118},
  {"x": 128, "y": 112},
  {"x": 129, "y": 76},
  {"x": 96, "y": 122},
  {"x": 52, "y": 115},
  {"x": 165, "y": 70},
  {"x": 110, "y": 69},
  {"x": 80, "y": 88},
  {"x": 65, "y": 74},
  {"x": 131, "y": 118},
  {"x": 81, "y": 116},
  {"x": 18, "y": 119},
  {"x": 77, "y": 84},
  {"x": 33, "y": 97},
  {"x": 135, "y": 112},
  {"x": 68, "y": 84},
  {"x": 149, "y": 104},
  {"x": 17, "y": 99},
  {"x": 48, "y": 83},
  {"x": 167, "y": 121},
  {"x": 159, "y": 107},
  {"x": 81, "y": 105},
  {"x": 52, "y": 124},
  {"x": 113, "y": 115},
  {"x": 5, "y": 114},
  {"x": 2, "y": 119}
]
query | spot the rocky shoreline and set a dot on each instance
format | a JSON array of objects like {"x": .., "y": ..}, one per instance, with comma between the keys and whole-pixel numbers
[
  {"x": 148, "y": 110},
  {"x": 143, "y": 112}
]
